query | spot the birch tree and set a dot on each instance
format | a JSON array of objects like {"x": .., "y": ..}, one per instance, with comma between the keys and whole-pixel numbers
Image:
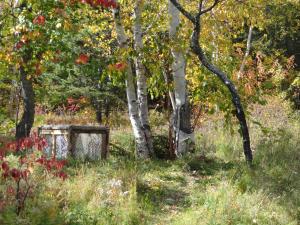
[
  {"x": 182, "y": 130},
  {"x": 248, "y": 47},
  {"x": 198, "y": 51},
  {"x": 140, "y": 73},
  {"x": 139, "y": 120}
]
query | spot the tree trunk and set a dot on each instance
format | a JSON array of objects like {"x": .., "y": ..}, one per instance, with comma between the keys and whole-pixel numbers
[
  {"x": 98, "y": 108},
  {"x": 195, "y": 45},
  {"x": 133, "y": 108},
  {"x": 107, "y": 110},
  {"x": 24, "y": 126},
  {"x": 196, "y": 48},
  {"x": 170, "y": 108},
  {"x": 242, "y": 68},
  {"x": 171, "y": 94},
  {"x": 183, "y": 133},
  {"x": 142, "y": 93}
]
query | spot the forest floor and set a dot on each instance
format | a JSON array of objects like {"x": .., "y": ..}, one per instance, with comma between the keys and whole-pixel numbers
[{"x": 213, "y": 185}]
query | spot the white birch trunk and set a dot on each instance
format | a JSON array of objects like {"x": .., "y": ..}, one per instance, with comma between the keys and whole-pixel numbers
[
  {"x": 140, "y": 73},
  {"x": 249, "y": 39},
  {"x": 171, "y": 94},
  {"x": 141, "y": 144},
  {"x": 214, "y": 34},
  {"x": 215, "y": 54},
  {"x": 182, "y": 128}
]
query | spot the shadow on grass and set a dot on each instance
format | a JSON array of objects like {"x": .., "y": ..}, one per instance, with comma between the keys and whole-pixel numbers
[
  {"x": 160, "y": 198},
  {"x": 208, "y": 167},
  {"x": 164, "y": 187}
]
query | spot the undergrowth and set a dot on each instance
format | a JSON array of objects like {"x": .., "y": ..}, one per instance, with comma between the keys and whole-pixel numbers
[{"x": 213, "y": 185}]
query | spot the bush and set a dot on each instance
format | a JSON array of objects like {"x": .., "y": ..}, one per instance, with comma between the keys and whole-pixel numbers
[
  {"x": 161, "y": 146},
  {"x": 23, "y": 168}
]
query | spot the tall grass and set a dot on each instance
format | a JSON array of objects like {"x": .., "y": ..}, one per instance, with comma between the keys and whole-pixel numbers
[{"x": 213, "y": 185}]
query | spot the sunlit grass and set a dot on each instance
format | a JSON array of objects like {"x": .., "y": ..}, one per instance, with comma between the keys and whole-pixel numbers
[{"x": 213, "y": 185}]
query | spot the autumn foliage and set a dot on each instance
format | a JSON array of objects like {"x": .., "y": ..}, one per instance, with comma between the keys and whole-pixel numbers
[
  {"x": 119, "y": 66},
  {"x": 82, "y": 59},
  {"x": 39, "y": 20},
  {"x": 103, "y": 3},
  {"x": 18, "y": 176}
]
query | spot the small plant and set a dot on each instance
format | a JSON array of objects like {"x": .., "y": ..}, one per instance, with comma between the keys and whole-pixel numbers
[{"x": 20, "y": 161}]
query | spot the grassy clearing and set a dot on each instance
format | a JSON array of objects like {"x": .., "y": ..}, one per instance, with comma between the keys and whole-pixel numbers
[
  {"x": 213, "y": 185},
  {"x": 212, "y": 191},
  {"x": 210, "y": 186}
]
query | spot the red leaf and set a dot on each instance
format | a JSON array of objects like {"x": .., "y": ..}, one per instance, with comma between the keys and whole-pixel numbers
[
  {"x": 15, "y": 173},
  {"x": 103, "y": 3},
  {"x": 82, "y": 59},
  {"x": 5, "y": 166},
  {"x": 12, "y": 146},
  {"x": 40, "y": 20},
  {"x": 61, "y": 174},
  {"x": 19, "y": 45}
]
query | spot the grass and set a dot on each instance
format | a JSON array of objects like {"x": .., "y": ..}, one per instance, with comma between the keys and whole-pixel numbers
[
  {"x": 213, "y": 185},
  {"x": 95, "y": 193},
  {"x": 211, "y": 191},
  {"x": 210, "y": 186}
]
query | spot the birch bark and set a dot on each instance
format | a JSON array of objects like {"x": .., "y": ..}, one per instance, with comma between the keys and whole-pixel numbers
[
  {"x": 197, "y": 49},
  {"x": 140, "y": 73},
  {"x": 249, "y": 39},
  {"x": 183, "y": 134},
  {"x": 133, "y": 108}
]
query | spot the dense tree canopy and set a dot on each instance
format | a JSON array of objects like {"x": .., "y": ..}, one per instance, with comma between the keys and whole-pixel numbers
[
  {"x": 179, "y": 93},
  {"x": 70, "y": 49}
]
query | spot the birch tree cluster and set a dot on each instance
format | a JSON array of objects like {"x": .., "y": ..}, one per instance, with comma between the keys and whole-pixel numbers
[{"x": 197, "y": 57}]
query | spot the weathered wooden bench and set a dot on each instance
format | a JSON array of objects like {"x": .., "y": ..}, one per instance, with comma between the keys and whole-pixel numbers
[{"x": 80, "y": 142}]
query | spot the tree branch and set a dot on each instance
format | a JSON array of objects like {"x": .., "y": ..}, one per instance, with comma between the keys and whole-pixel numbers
[
  {"x": 197, "y": 49},
  {"x": 242, "y": 67},
  {"x": 159, "y": 14},
  {"x": 183, "y": 11},
  {"x": 209, "y": 8}
]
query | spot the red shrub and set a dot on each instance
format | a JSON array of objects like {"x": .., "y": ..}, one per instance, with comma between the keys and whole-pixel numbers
[{"x": 28, "y": 150}]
